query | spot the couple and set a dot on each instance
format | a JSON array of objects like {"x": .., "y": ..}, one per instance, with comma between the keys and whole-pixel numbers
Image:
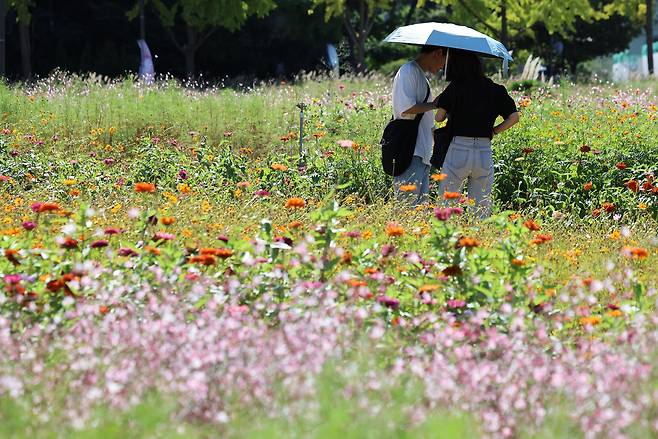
[{"x": 471, "y": 102}]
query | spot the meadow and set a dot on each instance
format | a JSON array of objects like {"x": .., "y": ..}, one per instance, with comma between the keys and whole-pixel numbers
[{"x": 172, "y": 267}]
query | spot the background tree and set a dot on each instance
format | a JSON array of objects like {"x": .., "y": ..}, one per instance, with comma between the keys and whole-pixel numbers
[
  {"x": 509, "y": 20},
  {"x": 201, "y": 18},
  {"x": 641, "y": 11},
  {"x": 358, "y": 19},
  {"x": 23, "y": 18}
]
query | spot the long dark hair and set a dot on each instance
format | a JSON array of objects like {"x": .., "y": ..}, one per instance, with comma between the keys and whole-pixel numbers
[{"x": 463, "y": 64}]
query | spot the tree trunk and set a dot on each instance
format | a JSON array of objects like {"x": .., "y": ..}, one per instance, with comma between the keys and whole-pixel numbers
[
  {"x": 26, "y": 56},
  {"x": 189, "y": 50},
  {"x": 142, "y": 27},
  {"x": 190, "y": 66},
  {"x": 649, "y": 31},
  {"x": 358, "y": 34},
  {"x": 410, "y": 14},
  {"x": 3, "y": 11},
  {"x": 503, "y": 23}
]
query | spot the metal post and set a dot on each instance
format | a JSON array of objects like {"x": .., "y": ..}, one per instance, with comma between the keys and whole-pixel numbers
[
  {"x": 301, "y": 107},
  {"x": 3, "y": 16}
]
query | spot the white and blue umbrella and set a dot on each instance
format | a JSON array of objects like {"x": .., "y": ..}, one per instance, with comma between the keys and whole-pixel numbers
[{"x": 452, "y": 36}]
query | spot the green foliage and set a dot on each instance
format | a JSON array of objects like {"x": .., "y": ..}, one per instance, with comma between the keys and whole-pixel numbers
[
  {"x": 521, "y": 14},
  {"x": 203, "y": 14},
  {"x": 22, "y": 8}
]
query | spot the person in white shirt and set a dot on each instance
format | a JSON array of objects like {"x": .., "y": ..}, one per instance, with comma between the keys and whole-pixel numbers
[{"x": 410, "y": 87}]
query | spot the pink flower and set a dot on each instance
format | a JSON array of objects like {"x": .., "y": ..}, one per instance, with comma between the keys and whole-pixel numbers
[
  {"x": 126, "y": 251},
  {"x": 345, "y": 143},
  {"x": 262, "y": 193},
  {"x": 29, "y": 225},
  {"x": 100, "y": 243},
  {"x": 112, "y": 231},
  {"x": 12, "y": 279},
  {"x": 388, "y": 250},
  {"x": 389, "y": 302},
  {"x": 456, "y": 303},
  {"x": 162, "y": 236}
]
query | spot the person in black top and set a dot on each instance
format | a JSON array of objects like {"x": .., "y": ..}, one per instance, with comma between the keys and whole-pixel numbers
[{"x": 472, "y": 103}]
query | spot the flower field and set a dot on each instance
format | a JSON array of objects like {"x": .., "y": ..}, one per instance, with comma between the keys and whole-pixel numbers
[{"x": 173, "y": 268}]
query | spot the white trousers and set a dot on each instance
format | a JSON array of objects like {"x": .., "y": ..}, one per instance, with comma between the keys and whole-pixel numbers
[
  {"x": 470, "y": 159},
  {"x": 417, "y": 174}
]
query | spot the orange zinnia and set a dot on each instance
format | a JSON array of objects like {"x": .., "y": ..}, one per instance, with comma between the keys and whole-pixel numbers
[
  {"x": 587, "y": 186},
  {"x": 168, "y": 220},
  {"x": 447, "y": 195},
  {"x": 531, "y": 225},
  {"x": 518, "y": 262},
  {"x": 295, "y": 202},
  {"x": 635, "y": 252},
  {"x": 224, "y": 253},
  {"x": 279, "y": 167},
  {"x": 295, "y": 224},
  {"x": 438, "y": 177},
  {"x": 428, "y": 288},
  {"x": 48, "y": 207},
  {"x": 408, "y": 187},
  {"x": 591, "y": 320},
  {"x": 541, "y": 238},
  {"x": 143, "y": 187},
  {"x": 466, "y": 241},
  {"x": 393, "y": 229},
  {"x": 203, "y": 260}
]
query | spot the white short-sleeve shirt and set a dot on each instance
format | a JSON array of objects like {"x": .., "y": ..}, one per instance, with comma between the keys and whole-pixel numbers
[{"x": 409, "y": 88}]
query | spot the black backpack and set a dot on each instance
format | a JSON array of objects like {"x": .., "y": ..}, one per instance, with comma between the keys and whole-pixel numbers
[{"x": 399, "y": 142}]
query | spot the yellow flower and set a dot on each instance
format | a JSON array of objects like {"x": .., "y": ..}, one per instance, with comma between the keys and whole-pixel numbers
[
  {"x": 69, "y": 182},
  {"x": 184, "y": 188},
  {"x": 171, "y": 197},
  {"x": 205, "y": 206},
  {"x": 117, "y": 207},
  {"x": 642, "y": 206},
  {"x": 615, "y": 235},
  {"x": 367, "y": 234},
  {"x": 187, "y": 233}
]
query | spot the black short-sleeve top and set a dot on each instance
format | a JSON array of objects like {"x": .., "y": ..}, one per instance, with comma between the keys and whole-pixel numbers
[{"x": 474, "y": 104}]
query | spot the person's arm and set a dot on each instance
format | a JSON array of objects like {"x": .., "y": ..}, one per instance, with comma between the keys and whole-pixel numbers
[
  {"x": 419, "y": 108},
  {"x": 441, "y": 114},
  {"x": 508, "y": 123}
]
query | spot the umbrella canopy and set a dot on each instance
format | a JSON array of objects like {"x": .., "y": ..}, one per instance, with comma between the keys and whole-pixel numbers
[{"x": 449, "y": 35}]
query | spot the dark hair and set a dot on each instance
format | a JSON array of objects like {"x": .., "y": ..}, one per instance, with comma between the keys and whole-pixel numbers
[
  {"x": 463, "y": 64},
  {"x": 430, "y": 49}
]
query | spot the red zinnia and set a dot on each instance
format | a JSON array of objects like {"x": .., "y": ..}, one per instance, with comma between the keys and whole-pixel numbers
[
  {"x": 69, "y": 244},
  {"x": 608, "y": 207},
  {"x": 633, "y": 185}
]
